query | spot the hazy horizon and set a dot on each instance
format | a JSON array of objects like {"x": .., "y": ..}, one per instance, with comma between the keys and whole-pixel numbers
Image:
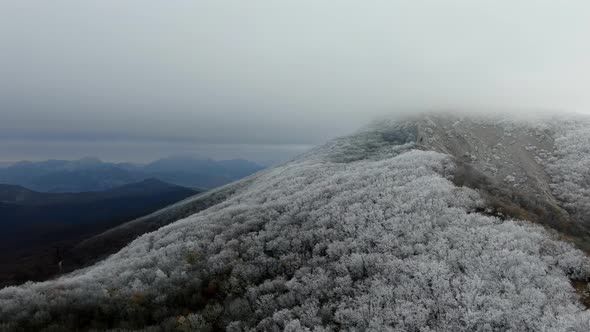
[
  {"x": 146, "y": 152},
  {"x": 264, "y": 80}
]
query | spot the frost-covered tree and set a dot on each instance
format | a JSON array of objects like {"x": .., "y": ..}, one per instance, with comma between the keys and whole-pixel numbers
[
  {"x": 569, "y": 167},
  {"x": 363, "y": 234}
]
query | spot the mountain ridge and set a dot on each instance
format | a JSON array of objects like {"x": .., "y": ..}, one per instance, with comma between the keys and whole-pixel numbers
[{"x": 379, "y": 230}]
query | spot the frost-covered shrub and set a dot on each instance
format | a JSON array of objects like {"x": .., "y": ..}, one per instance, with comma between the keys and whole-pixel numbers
[{"x": 385, "y": 242}]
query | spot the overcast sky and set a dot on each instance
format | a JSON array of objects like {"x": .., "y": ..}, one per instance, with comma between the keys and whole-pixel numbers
[{"x": 142, "y": 79}]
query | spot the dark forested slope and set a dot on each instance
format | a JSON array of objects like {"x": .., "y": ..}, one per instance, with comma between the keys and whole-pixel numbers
[{"x": 34, "y": 226}]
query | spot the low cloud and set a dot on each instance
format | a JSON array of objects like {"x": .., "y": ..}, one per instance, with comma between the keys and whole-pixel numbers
[{"x": 289, "y": 72}]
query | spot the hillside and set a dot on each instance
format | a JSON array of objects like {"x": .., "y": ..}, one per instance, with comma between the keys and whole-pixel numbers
[
  {"x": 433, "y": 223},
  {"x": 34, "y": 224},
  {"x": 111, "y": 241}
]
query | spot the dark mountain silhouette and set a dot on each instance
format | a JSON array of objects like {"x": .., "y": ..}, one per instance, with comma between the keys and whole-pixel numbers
[{"x": 33, "y": 223}]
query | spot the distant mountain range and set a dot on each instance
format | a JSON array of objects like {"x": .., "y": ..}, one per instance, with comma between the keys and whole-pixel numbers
[
  {"x": 92, "y": 174},
  {"x": 34, "y": 224}
]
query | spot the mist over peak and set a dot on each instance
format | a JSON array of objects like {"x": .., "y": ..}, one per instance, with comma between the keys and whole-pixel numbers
[{"x": 385, "y": 165}]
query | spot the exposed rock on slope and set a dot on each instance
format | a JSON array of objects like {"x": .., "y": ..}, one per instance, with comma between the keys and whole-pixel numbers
[
  {"x": 366, "y": 233},
  {"x": 522, "y": 167},
  {"x": 506, "y": 152}
]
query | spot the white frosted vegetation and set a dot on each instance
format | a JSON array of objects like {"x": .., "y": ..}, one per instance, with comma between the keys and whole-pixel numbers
[
  {"x": 358, "y": 235},
  {"x": 569, "y": 168}
]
